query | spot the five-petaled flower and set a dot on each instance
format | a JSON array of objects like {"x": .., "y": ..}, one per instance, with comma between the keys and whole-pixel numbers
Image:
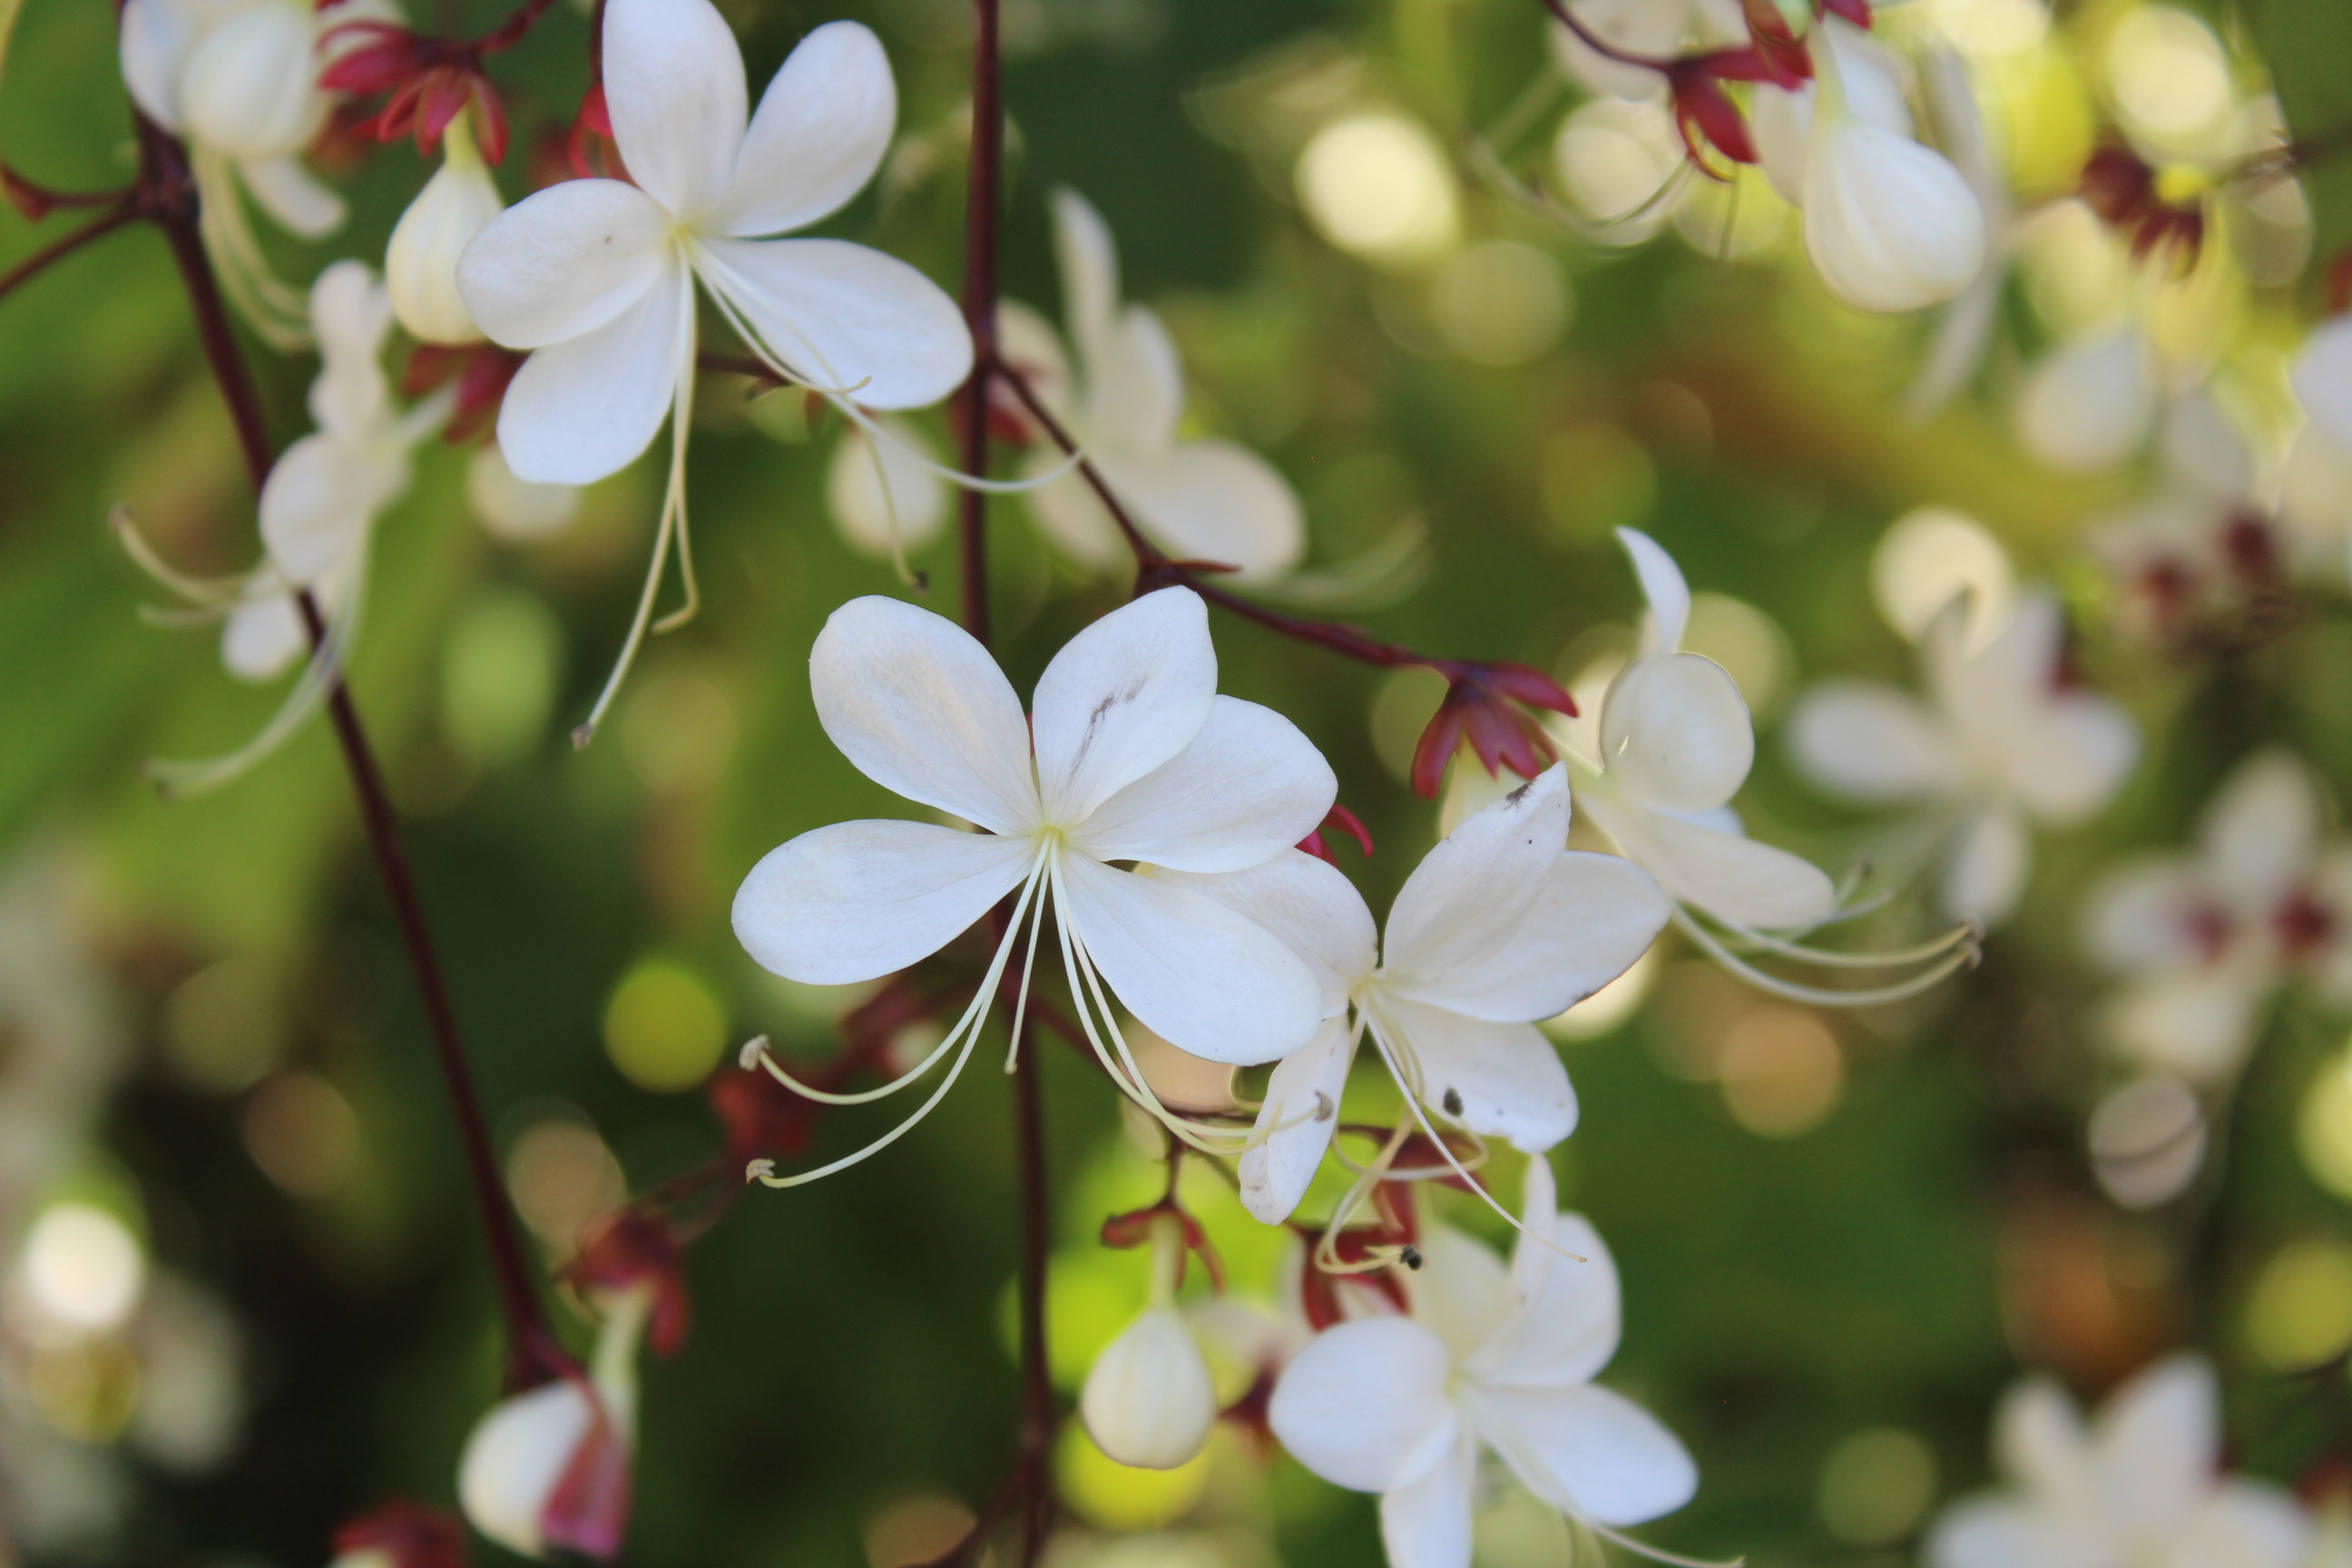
[
  {"x": 1499, "y": 925},
  {"x": 1129, "y": 755},
  {"x": 1402, "y": 1405},
  {"x": 596, "y": 277},
  {"x": 2142, "y": 1486}
]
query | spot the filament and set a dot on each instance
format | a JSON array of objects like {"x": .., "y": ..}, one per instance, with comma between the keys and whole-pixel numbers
[
  {"x": 1962, "y": 958},
  {"x": 225, "y": 591}
]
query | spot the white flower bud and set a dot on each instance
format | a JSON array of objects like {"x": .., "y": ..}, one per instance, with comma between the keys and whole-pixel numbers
[
  {"x": 1782, "y": 122},
  {"x": 856, "y": 482},
  {"x": 2089, "y": 406},
  {"x": 514, "y": 1458},
  {"x": 249, "y": 87},
  {"x": 1891, "y": 225},
  {"x": 1148, "y": 1401},
  {"x": 420, "y": 267}
]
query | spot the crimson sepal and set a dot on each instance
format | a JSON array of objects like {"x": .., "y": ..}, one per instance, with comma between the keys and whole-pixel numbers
[
  {"x": 481, "y": 371},
  {"x": 1854, "y": 11},
  {"x": 1704, "y": 115},
  {"x": 431, "y": 81},
  {"x": 1780, "y": 55},
  {"x": 636, "y": 1247},
  {"x": 1478, "y": 709},
  {"x": 1345, "y": 821},
  {"x": 588, "y": 1510},
  {"x": 1134, "y": 1228},
  {"x": 411, "y": 1534},
  {"x": 589, "y": 144},
  {"x": 2120, "y": 187}
]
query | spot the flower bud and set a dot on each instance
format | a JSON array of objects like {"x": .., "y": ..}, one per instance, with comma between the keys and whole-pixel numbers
[
  {"x": 516, "y": 510},
  {"x": 420, "y": 267},
  {"x": 861, "y": 472},
  {"x": 1148, "y": 1401},
  {"x": 248, "y": 89},
  {"x": 1890, "y": 224},
  {"x": 1783, "y": 119}
]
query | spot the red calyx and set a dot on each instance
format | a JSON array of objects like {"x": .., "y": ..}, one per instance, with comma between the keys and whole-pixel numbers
[
  {"x": 2303, "y": 923},
  {"x": 1347, "y": 822},
  {"x": 481, "y": 371},
  {"x": 588, "y": 1510},
  {"x": 431, "y": 81},
  {"x": 589, "y": 145},
  {"x": 1781, "y": 56},
  {"x": 1478, "y": 709},
  {"x": 1854, "y": 11},
  {"x": 2120, "y": 187},
  {"x": 1704, "y": 115},
  {"x": 411, "y": 1534},
  {"x": 635, "y": 1248},
  {"x": 1134, "y": 1228}
]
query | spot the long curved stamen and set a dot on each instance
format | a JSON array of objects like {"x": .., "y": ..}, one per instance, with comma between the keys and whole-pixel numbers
[
  {"x": 225, "y": 591},
  {"x": 182, "y": 779},
  {"x": 1813, "y": 995},
  {"x": 275, "y": 310},
  {"x": 672, "y": 525},
  {"x": 757, "y": 1049},
  {"x": 1327, "y": 1258},
  {"x": 1965, "y": 933},
  {"x": 1656, "y": 1554},
  {"x": 969, "y": 1026},
  {"x": 1413, "y": 1102},
  {"x": 1050, "y": 855}
]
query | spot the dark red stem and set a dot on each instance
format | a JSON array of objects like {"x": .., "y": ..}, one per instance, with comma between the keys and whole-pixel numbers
[
  {"x": 1601, "y": 46},
  {"x": 66, "y": 245},
  {"x": 169, "y": 197}
]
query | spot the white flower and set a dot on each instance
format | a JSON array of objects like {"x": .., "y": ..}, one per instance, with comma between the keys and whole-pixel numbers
[
  {"x": 420, "y": 264},
  {"x": 2004, "y": 739},
  {"x": 597, "y": 277},
  {"x": 1499, "y": 925},
  {"x": 1782, "y": 122},
  {"x": 2090, "y": 404},
  {"x": 1149, "y": 1400},
  {"x": 239, "y": 79},
  {"x": 1890, "y": 225},
  {"x": 549, "y": 1468},
  {"x": 887, "y": 496},
  {"x": 318, "y": 509},
  {"x": 1121, "y": 397},
  {"x": 2142, "y": 1486},
  {"x": 1134, "y": 757},
  {"x": 1402, "y": 1405},
  {"x": 2206, "y": 937}
]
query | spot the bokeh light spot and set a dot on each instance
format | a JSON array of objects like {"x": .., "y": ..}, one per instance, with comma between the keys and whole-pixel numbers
[
  {"x": 663, "y": 1027},
  {"x": 1377, "y": 184}
]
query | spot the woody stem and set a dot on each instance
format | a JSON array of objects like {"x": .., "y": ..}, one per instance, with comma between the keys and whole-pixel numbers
[{"x": 168, "y": 196}]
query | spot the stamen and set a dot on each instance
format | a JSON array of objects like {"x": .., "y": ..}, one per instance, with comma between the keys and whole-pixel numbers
[
  {"x": 1658, "y": 1553},
  {"x": 278, "y": 313},
  {"x": 225, "y": 591},
  {"x": 1964, "y": 957},
  {"x": 1048, "y": 857},
  {"x": 1967, "y": 933}
]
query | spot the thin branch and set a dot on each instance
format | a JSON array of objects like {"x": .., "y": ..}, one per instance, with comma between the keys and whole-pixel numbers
[
  {"x": 168, "y": 194},
  {"x": 1600, "y": 46},
  {"x": 25, "y": 271}
]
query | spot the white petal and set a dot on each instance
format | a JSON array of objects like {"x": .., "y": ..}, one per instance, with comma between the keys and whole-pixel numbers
[
  {"x": 262, "y": 637},
  {"x": 1196, "y": 975},
  {"x": 565, "y": 261},
  {"x": 2088, "y": 406},
  {"x": 1312, "y": 907},
  {"x": 674, "y": 83},
  {"x": 1870, "y": 743},
  {"x": 2249, "y": 1525},
  {"x": 846, "y": 317},
  {"x": 1564, "y": 1319},
  {"x": 1663, "y": 586},
  {"x": 1995, "y": 1532},
  {"x": 2072, "y": 756},
  {"x": 1470, "y": 894},
  {"x": 2041, "y": 1441},
  {"x": 350, "y": 311},
  {"x": 1675, "y": 732},
  {"x": 1122, "y": 697},
  {"x": 1462, "y": 1289},
  {"x": 2203, "y": 449},
  {"x": 1302, "y": 1105},
  {"x": 1503, "y": 1080},
  {"x": 2137, "y": 916},
  {"x": 859, "y": 900},
  {"x": 1364, "y": 1405},
  {"x": 1211, "y": 500},
  {"x": 1247, "y": 787},
  {"x": 1730, "y": 877},
  {"x": 1148, "y": 1401},
  {"x": 2322, "y": 375},
  {"x": 1426, "y": 1523},
  {"x": 514, "y": 1457},
  {"x": 1586, "y": 1450},
  {"x": 1089, "y": 267},
  {"x": 1070, "y": 514},
  {"x": 919, "y": 707},
  {"x": 420, "y": 264},
  {"x": 1890, "y": 225},
  {"x": 1134, "y": 384},
  {"x": 883, "y": 492},
  {"x": 2159, "y": 1437},
  {"x": 2261, "y": 835},
  {"x": 157, "y": 35},
  {"x": 315, "y": 506},
  {"x": 585, "y": 407},
  {"x": 2198, "y": 1021},
  {"x": 1986, "y": 866},
  {"x": 294, "y": 198},
  {"x": 1594, "y": 916},
  {"x": 822, "y": 128}
]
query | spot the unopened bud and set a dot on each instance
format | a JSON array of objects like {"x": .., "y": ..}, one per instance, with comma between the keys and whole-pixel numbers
[
  {"x": 1148, "y": 1401},
  {"x": 518, "y": 1457},
  {"x": 1891, "y": 225},
  {"x": 420, "y": 267},
  {"x": 248, "y": 88}
]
